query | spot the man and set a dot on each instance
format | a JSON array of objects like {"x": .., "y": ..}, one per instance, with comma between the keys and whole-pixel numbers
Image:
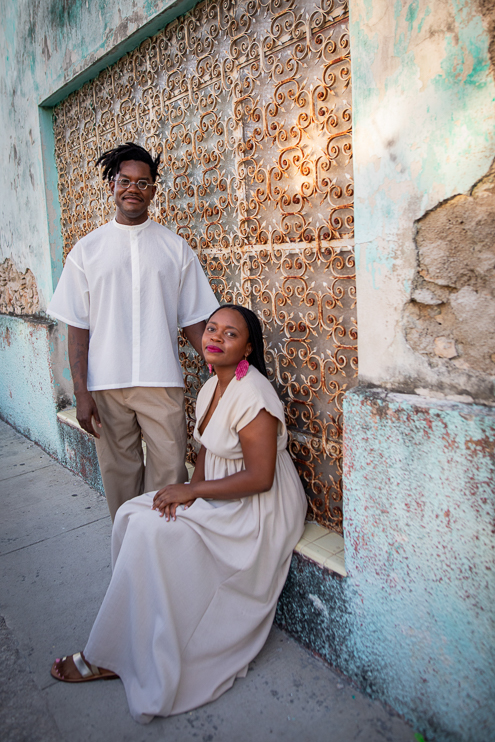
[{"x": 124, "y": 290}]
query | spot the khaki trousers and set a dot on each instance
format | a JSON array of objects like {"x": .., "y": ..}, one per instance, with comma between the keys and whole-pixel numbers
[{"x": 159, "y": 414}]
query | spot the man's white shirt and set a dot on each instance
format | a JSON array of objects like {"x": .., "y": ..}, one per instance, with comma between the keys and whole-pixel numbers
[{"x": 132, "y": 287}]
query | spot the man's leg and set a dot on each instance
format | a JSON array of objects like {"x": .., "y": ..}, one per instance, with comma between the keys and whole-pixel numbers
[
  {"x": 119, "y": 449},
  {"x": 161, "y": 415}
]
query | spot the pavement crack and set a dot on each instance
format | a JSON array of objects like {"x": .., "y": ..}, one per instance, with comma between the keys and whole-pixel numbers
[
  {"x": 55, "y": 535},
  {"x": 27, "y": 471}
]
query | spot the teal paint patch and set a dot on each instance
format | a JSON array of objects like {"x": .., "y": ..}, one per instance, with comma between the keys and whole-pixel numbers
[
  {"x": 27, "y": 396},
  {"x": 62, "y": 15},
  {"x": 52, "y": 202},
  {"x": 66, "y": 374},
  {"x": 364, "y": 86},
  {"x": 368, "y": 6},
  {"x": 425, "y": 16},
  {"x": 469, "y": 49},
  {"x": 444, "y": 138},
  {"x": 377, "y": 262},
  {"x": 412, "y": 13}
]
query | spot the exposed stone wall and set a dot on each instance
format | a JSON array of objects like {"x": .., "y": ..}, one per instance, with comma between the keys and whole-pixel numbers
[
  {"x": 487, "y": 11},
  {"x": 18, "y": 291},
  {"x": 450, "y": 319}
]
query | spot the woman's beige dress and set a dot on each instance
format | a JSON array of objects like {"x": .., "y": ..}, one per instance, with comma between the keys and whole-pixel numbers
[{"x": 191, "y": 601}]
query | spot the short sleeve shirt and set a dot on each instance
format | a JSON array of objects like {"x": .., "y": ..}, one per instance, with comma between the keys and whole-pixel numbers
[{"x": 132, "y": 287}]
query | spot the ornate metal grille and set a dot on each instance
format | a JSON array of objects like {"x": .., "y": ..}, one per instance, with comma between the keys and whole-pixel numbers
[{"x": 249, "y": 103}]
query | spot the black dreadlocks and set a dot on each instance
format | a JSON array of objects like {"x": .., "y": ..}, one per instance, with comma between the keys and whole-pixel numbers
[
  {"x": 112, "y": 159},
  {"x": 256, "y": 358}
]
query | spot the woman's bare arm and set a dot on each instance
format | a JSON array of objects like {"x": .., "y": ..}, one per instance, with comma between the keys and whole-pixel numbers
[
  {"x": 199, "y": 469},
  {"x": 259, "y": 449}
]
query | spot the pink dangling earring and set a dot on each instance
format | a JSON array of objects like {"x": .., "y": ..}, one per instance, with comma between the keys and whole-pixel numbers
[
  {"x": 210, "y": 368},
  {"x": 242, "y": 369}
]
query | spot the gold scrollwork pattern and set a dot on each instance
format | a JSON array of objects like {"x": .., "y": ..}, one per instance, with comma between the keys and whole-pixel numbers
[{"x": 249, "y": 104}]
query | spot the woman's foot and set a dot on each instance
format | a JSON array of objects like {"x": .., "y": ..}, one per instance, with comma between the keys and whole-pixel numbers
[{"x": 75, "y": 669}]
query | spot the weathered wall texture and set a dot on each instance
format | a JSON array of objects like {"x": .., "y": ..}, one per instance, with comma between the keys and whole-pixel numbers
[
  {"x": 45, "y": 45},
  {"x": 423, "y": 133},
  {"x": 450, "y": 319},
  {"x": 18, "y": 291},
  {"x": 414, "y": 621},
  {"x": 47, "y": 48},
  {"x": 29, "y": 393}
]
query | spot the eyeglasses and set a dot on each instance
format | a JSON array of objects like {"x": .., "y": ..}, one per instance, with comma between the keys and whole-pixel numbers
[{"x": 125, "y": 183}]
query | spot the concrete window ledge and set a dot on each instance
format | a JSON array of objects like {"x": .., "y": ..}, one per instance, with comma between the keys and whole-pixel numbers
[
  {"x": 317, "y": 543},
  {"x": 323, "y": 547},
  {"x": 68, "y": 416}
]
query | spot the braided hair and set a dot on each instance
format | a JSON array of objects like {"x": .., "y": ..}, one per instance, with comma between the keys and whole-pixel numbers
[
  {"x": 113, "y": 158},
  {"x": 256, "y": 357}
]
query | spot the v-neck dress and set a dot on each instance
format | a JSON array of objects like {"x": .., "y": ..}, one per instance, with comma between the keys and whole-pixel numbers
[{"x": 191, "y": 601}]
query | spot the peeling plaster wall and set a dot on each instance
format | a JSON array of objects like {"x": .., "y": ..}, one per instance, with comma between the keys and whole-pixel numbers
[
  {"x": 450, "y": 319},
  {"x": 18, "y": 291},
  {"x": 414, "y": 621},
  {"x": 423, "y": 93}
]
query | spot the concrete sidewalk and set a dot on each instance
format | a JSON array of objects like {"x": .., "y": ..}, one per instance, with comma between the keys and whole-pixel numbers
[{"x": 54, "y": 570}]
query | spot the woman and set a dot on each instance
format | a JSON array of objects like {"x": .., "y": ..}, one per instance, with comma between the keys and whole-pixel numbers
[{"x": 198, "y": 568}]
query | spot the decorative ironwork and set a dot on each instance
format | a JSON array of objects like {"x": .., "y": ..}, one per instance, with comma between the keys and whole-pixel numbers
[{"x": 249, "y": 103}]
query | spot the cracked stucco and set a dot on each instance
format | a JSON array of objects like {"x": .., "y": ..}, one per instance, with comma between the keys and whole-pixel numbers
[
  {"x": 18, "y": 291},
  {"x": 450, "y": 319},
  {"x": 424, "y": 134}
]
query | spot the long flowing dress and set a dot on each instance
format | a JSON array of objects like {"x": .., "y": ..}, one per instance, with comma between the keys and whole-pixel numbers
[{"x": 191, "y": 601}]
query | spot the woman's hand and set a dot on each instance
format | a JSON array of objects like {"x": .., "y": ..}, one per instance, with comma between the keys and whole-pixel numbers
[{"x": 167, "y": 499}]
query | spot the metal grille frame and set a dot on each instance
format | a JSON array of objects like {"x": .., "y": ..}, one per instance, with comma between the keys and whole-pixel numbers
[{"x": 249, "y": 104}]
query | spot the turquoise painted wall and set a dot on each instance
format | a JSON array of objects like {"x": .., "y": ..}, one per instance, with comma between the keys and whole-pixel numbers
[
  {"x": 27, "y": 387},
  {"x": 420, "y": 509},
  {"x": 413, "y": 623}
]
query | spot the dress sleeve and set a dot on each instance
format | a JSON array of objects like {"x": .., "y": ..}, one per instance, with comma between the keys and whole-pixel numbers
[
  {"x": 196, "y": 299},
  {"x": 70, "y": 302},
  {"x": 256, "y": 396}
]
